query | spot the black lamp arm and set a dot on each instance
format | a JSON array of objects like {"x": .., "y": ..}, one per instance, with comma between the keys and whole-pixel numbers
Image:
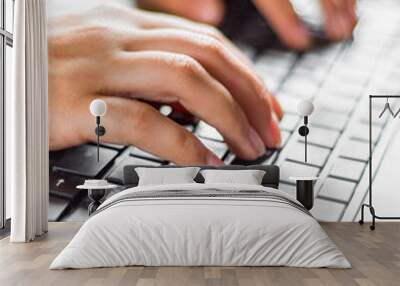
[{"x": 100, "y": 131}]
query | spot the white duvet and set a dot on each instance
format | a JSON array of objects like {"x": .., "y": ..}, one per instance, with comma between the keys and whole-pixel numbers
[{"x": 206, "y": 230}]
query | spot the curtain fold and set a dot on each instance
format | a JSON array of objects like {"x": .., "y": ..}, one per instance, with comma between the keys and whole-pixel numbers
[{"x": 27, "y": 117}]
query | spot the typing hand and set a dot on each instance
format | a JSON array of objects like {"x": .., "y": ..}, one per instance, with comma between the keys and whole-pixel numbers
[
  {"x": 340, "y": 17},
  {"x": 125, "y": 56}
]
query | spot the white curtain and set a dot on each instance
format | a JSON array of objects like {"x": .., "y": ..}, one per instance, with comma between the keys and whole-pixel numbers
[{"x": 27, "y": 135}]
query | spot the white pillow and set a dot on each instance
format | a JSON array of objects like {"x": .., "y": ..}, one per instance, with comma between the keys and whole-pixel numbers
[
  {"x": 248, "y": 177},
  {"x": 161, "y": 176}
]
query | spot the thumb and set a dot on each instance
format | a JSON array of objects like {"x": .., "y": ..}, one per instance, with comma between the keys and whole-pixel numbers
[{"x": 206, "y": 11}]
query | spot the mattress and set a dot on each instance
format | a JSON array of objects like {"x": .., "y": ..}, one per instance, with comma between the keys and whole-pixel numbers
[{"x": 201, "y": 225}]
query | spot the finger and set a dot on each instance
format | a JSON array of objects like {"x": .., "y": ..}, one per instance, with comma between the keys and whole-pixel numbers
[
  {"x": 340, "y": 18},
  {"x": 154, "y": 21},
  {"x": 150, "y": 21},
  {"x": 132, "y": 122},
  {"x": 283, "y": 19},
  {"x": 242, "y": 83},
  {"x": 350, "y": 7},
  {"x": 168, "y": 77},
  {"x": 207, "y": 11}
]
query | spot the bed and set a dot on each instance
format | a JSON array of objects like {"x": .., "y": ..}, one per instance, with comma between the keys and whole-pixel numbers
[{"x": 201, "y": 224}]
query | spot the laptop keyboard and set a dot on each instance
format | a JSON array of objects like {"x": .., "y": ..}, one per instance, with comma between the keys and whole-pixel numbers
[
  {"x": 338, "y": 79},
  {"x": 82, "y": 160}
]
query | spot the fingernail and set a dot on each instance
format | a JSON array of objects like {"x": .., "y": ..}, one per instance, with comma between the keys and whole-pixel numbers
[
  {"x": 209, "y": 14},
  {"x": 277, "y": 131},
  {"x": 256, "y": 142},
  {"x": 213, "y": 160},
  {"x": 351, "y": 11},
  {"x": 274, "y": 102},
  {"x": 274, "y": 133}
]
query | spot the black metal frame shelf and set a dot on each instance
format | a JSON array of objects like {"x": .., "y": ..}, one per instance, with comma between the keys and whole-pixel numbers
[{"x": 370, "y": 202}]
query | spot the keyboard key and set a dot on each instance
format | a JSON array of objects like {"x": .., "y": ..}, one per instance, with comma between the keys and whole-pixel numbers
[
  {"x": 57, "y": 208},
  {"x": 328, "y": 119},
  {"x": 329, "y": 55},
  {"x": 344, "y": 72},
  {"x": 229, "y": 158},
  {"x": 331, "y": 103},
  {"x": 323, "y": 137},
  {"x": 355, "y": 150},
  {"x": 272, "y": 76},
  {"x": 272, "y": 81},
  {"x": 64, "y": 186},
  {"x": 135, "y": 151},
  {"x": 247, "y": 50},
  {"x": 384, "y": 84},
  {"x": 289, "y": 169},
  {"x": 348, "y": 169},
  {"x": 337, "y": 190},
  {"x": 288, "y": 103},
  {"x": 117, "y": 174},
  {"x": 360, "y": 131},
  {"x": 303, "y": 72},
  {"x": 302, "y": 87},
  {"x": 266, "y": 159},
  {"x": 359, "y": 64},
  {"x": 325, "y": 210},
  {"x": 289, "y": 189},
  {"x": 82, "y": 160},
  {"x": 376, "y": 121},
  {"x": 289, "y": 122},
  {"x": 276, "y": 58},
  {"x": 189, "y": 127},
  {"x": 340, "y": 88},
  {"x": 306, "y": 65},
  {"x": 113, "y": 146},
  {"x": 315, "y": 155},
  {"x": 284, "y": 137},
  {"x": 207, "y": 131},
  {"x": 218, "y": 148},
  {"x": 271, "y": 158},
  {"x": 269, "y": 72},
  {"x": 78, "y": 213}
]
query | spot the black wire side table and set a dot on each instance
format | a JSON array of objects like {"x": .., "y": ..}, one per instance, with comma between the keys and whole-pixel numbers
[{"x": 370, "y": 202}]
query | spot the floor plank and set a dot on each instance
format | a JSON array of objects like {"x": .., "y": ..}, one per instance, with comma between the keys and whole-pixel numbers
[{"x": 375, "y": 257}]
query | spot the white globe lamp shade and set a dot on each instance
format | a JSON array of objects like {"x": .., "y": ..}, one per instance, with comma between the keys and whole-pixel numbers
[
  {"x": 305, "y": 108},
  {"x": 98, "y": 107}
]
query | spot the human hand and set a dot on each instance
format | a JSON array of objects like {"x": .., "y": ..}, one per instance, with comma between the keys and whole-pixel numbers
[
  {"x": 340, "y": 17},
  {"x": 125, "y": 56}
]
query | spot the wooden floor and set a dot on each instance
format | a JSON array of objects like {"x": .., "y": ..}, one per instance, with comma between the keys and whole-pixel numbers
[{"x": 375, "y": 257}]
